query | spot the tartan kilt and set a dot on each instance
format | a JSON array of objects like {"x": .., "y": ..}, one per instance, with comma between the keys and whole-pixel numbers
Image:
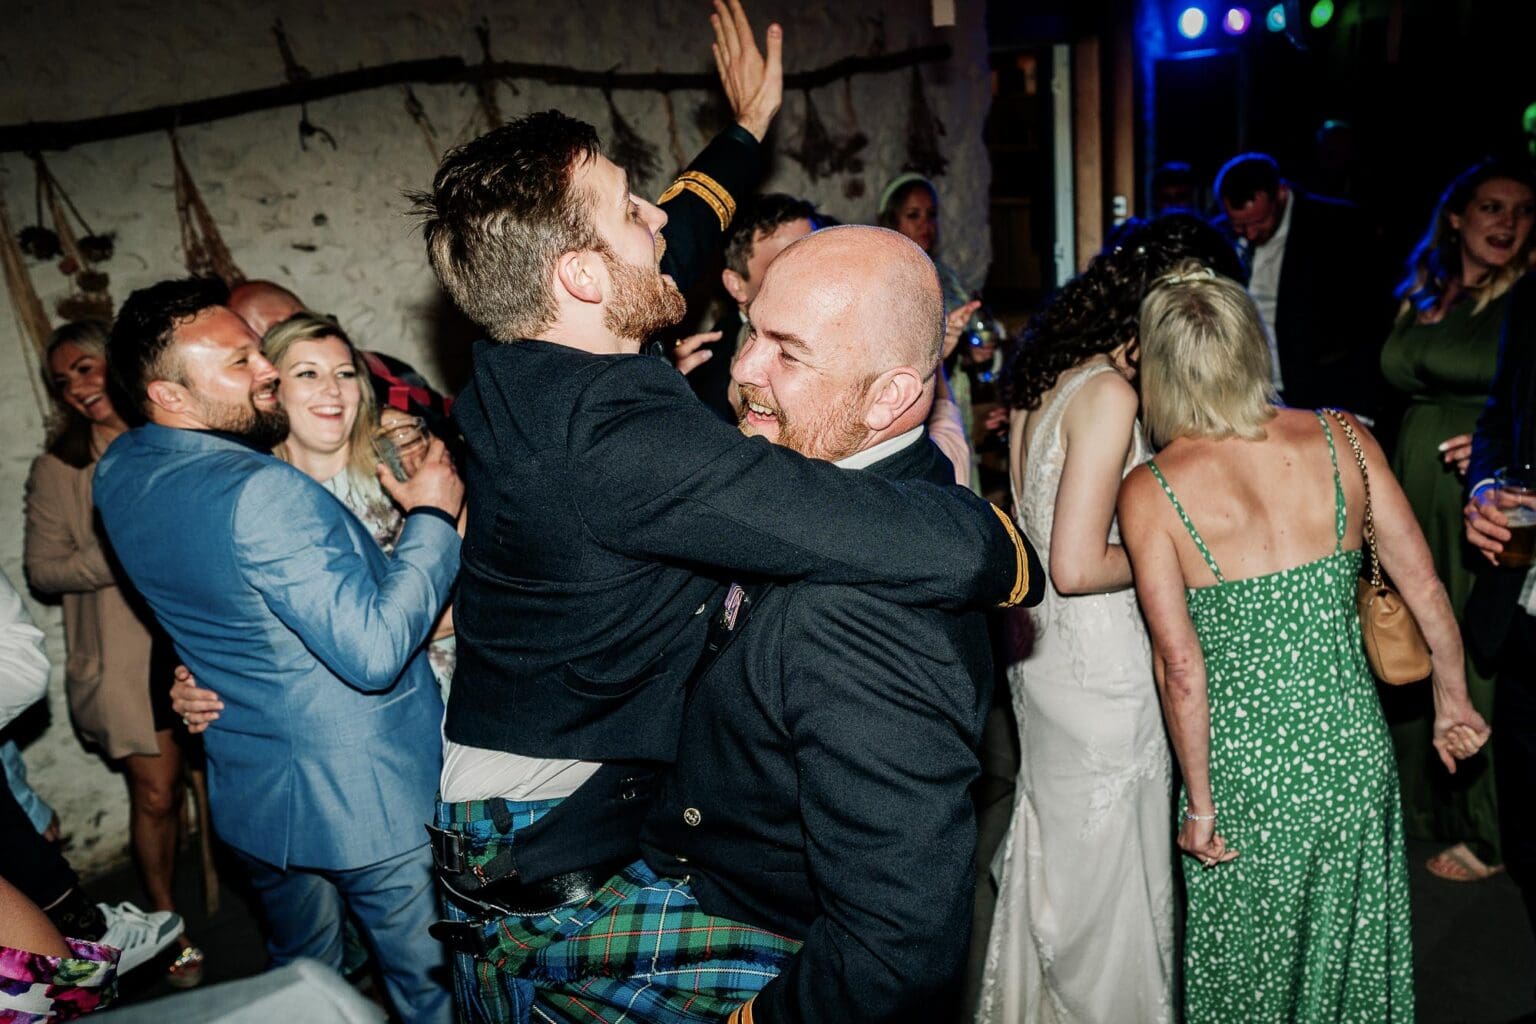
[{"x": 640, "y": 950}]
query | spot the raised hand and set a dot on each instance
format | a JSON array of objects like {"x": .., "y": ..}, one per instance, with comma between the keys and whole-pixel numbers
[
  {"x": 689, "y": 353},
  {"x": 954, "y": 324},
  {"x": 754, "y": 86}
]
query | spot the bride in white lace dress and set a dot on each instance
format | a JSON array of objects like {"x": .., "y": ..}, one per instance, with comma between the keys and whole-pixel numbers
[{"x": 1083, "y": 928}]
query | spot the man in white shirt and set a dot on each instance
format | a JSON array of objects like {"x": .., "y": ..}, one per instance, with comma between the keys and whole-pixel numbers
[{"x": 1316, "y": 282}]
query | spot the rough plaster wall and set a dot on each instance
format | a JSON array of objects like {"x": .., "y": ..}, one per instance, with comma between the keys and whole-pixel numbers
[{"x": 75, "y": 59}]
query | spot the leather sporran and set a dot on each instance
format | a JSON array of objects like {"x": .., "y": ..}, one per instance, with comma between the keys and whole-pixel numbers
[{"x": 1394, "y": 644}]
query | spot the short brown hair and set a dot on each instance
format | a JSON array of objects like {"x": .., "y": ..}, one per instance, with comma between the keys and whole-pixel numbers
[{"x": 501, "y": 212}]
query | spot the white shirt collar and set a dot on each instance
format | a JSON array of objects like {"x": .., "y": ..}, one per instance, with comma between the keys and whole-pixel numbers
[{"x": 885, "y": 449}]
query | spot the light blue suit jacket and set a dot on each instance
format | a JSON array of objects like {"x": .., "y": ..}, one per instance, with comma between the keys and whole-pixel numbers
[{"x": 328, "y": 750}]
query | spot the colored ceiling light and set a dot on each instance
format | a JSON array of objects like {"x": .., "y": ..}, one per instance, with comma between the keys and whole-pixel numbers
[
  {"x": 1192, "y": 23},
  {"x": 1275, "y": 19},
  {"x": 1237, "y": 21},
  {"x": 1322, "y": 13}
]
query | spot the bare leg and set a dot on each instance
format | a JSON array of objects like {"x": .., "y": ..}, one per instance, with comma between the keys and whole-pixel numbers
[
  {"x": 154, "y": 797},
  {"x": 23, "y": 926}
]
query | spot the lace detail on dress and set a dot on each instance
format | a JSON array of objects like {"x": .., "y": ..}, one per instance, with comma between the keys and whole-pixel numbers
[{"x": 1093, "y": 809}]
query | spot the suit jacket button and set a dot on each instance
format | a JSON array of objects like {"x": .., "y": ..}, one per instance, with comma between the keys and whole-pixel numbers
[{"x": 692, "y": 817}]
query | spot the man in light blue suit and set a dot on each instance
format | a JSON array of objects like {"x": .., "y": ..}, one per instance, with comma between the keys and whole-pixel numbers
[{"x": 323, "y": 766}]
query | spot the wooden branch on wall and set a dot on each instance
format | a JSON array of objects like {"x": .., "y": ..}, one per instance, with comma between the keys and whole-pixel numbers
[{"x": 36, "y": 136}]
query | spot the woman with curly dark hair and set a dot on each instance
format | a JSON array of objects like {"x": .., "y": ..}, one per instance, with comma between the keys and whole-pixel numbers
[{"x": 1087, "y": 866}]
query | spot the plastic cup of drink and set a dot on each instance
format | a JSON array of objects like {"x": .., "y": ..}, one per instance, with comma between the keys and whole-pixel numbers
[{"x": 1517, "y": 500}]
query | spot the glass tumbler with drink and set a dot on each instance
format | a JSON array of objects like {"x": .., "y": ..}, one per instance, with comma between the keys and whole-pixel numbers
[
  {"x": 1516, "y": 499},
  {"x": 401, "y": 441}
]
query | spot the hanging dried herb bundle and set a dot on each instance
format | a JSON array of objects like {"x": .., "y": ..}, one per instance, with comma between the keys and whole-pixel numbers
[
  {"x": 923, "y": 131},
  {"x": 628, "y": 149},
  {"x": 485, "y": 88},
  {"x": 821, "y": 154},
  {"x": 202, "y": 245},
  {"x": 713, "y": 116},
  {"x": 815, "y": 151},
  {"x": 855, "y": 142},
  {"x": 31, "y": 317},
  {"x": 674, "y": 139},
  {"x": 417, "y": 113}
]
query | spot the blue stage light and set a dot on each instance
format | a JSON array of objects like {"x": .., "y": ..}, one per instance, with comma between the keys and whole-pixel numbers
[
  {"x": 1237, "y": 21},
  {"x": 1275, "y": 19},
  {"x": 1192, "y": 22}
]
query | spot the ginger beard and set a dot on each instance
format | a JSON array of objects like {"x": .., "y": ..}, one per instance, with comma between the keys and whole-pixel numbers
[
  {"x": 831, "y": 430},
  {"x": 644, "y": 300},
  {"x": 261, "y": 419}
]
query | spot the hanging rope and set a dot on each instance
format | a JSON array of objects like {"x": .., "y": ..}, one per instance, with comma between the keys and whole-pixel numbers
[
  {"x": 88, "y": 299},
  {"x": 202, "y": 245},
  {"x": 298, "y": 76},
  {"x": 31, "y": 318}
]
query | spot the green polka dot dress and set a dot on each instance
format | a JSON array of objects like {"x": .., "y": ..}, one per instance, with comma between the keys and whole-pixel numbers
[{"x": 1311, "y": 921}]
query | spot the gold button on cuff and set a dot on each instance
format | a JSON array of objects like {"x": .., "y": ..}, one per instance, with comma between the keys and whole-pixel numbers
[{"x": 692, "y": 817}]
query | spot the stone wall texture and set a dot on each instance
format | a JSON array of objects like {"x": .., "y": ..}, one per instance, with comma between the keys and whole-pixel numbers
[{"x": 332, "y": 222}]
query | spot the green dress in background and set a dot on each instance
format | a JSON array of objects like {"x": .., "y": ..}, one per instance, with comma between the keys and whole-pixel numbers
[
  {"x": 1311, "y": 921},
  {"x": 1444, "y": 370}
]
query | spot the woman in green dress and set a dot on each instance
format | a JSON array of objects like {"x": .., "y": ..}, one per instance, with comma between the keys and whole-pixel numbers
[
  {"x": 1440, "y": 357},
  {"x": 1244, "y": 537}
]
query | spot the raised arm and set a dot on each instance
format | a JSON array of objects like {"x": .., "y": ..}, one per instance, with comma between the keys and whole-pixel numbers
[
  {"x": 1096, "y": 433},
  {"x": 884, "y": 761},
  {"x": 56, "y": 561},
  {"x": 1459, "y": 730},
  {"x": 660, "y": 476},
  {"x": 297, "y": 552},
  {"x": 1178, "y": 663},
  {"x": 702, "y": 201}
]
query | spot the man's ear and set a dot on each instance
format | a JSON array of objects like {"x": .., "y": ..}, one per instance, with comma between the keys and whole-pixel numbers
[
  {"x": 735, "y": 285},
  {"x": 582, "y": 275},
  {"x": 168, "y": 395},
  {"x": 893, "y": 394}
]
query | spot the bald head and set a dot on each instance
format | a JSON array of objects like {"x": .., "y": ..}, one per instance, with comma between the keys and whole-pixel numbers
[
  {"x": 263, "y": 303},
  {"x": 876, "y": 284}
]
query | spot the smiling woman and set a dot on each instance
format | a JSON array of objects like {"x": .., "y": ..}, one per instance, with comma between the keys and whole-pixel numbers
[
  {"x": 1441, "y": 356},
  {"x": 333, "y": 419},
  {"x": 116, "y": 676}
]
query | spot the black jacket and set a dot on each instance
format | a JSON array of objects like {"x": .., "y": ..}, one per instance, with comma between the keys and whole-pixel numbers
[
  {"x": 1332, "y": 315},
  {"x": 601, "y": 495},
  {"x": 821, "y": 790},
  {"x": 1505, "y": 435}
]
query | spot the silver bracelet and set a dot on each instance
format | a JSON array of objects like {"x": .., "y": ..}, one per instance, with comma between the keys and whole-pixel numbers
[{"x": 1188, "y": 816}]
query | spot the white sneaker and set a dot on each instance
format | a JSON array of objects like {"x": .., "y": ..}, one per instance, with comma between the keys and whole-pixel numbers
[{"x": 139, "y": 935}]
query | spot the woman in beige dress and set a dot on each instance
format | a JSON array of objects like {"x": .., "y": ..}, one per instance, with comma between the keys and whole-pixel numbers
[{"x": 107, "y": 674}]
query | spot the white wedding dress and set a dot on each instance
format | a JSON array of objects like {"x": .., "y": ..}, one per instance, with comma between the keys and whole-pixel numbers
[{"x": 1083, "y": 932}]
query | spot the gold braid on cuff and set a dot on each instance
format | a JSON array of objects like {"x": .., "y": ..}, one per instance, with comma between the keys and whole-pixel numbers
[
  {"x": 707, "y": 189},
  {"x": 1021, "y": 561}
]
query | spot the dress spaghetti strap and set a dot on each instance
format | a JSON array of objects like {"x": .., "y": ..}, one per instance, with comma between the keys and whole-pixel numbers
[{"x": 1194, "y": 534}]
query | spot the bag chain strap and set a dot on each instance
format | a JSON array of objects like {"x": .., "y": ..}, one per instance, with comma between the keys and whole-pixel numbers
[{"x": 1369, "y": 528}]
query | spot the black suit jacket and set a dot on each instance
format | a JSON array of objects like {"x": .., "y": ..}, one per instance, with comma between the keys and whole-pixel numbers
[
  {"x": 1332, "y": 314},
  {"x": 1505, "y": 435},
  {"x": 602, "y": 497},
  {"x": 821, "y": 790}
]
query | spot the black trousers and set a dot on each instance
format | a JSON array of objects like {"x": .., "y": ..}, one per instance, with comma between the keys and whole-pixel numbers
[
  {"x": 1514, "y": 755},
  {"x": 30, "y": 864}
]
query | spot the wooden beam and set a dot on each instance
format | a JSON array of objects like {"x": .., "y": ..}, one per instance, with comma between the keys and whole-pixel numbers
[
  {"x": 52, "y": 135},
  {"x": 1087, "y": 149},
  {"x": 1122, "y": 116}
]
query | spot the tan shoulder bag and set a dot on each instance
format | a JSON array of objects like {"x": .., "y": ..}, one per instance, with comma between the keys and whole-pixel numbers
[{"x": 1394, "y": 644}]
